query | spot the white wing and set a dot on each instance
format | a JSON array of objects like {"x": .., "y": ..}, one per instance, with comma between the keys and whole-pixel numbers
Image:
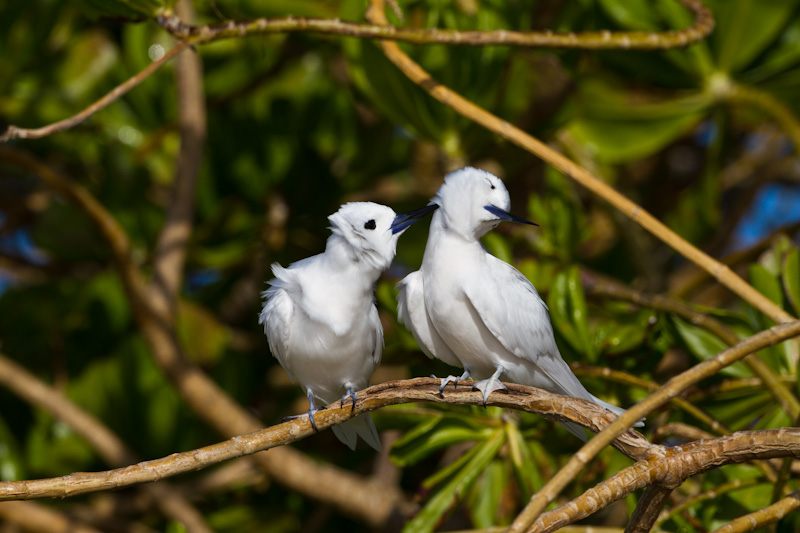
[
  {"x": 413, "y": 315},
  {"x": 512, "y": 310},
  {"x": 276, "y": 316},
  {"x": 376, "y": 334}
]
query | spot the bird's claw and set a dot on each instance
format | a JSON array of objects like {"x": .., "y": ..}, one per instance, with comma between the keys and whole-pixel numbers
[
  {"x": 309, "y": 414},
  {"x": 352, "y": 394},
  {"x": 488, "y": 386}
]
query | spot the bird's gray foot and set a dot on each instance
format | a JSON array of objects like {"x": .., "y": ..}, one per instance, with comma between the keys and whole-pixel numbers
[
  {"x": 309, "y": 414},
  {"x": 449, "y": 379},
  {"x": 352, "y": 394},
  {"x": 488, "y": 386}
]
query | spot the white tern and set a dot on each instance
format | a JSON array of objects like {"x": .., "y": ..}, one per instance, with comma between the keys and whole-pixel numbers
[
  {"x": 320, "y": 316},
  {"x": 469, "y": 309}
]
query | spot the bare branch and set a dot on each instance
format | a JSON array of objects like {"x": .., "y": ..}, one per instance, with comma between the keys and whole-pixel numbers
[
  {"x": 170, "y": 252},
  {"x": 594, "y": 40},
  {"x": 647, "y": 509},
  {"x": 15, "y": 132},
  {"x": 678, "y": 464},
  {"x": 552, "y": 406},
  {"x": 520, "y": 138}
]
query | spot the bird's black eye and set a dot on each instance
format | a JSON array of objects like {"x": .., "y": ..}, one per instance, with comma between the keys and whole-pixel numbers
[
  {"x": 492, "y": 186},
  {"x": 370, "y": 224}
]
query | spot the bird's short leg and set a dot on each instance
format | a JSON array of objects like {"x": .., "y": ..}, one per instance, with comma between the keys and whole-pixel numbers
[
  {"x": 488, "y": 386},
  {"x": 453, "y": 379},
  {"x": 310, "y": 413},
  {"x": 351, "y": 393}
]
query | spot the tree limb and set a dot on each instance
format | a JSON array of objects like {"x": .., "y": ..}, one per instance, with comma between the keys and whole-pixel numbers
[
  {"x": 552, "y": 406},
  {"x": 762, "y": 517},
  {"x": 594, "y": 40}
]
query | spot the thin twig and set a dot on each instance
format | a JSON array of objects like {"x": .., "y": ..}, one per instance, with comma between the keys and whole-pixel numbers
[
  {"x": 515, "y": 135},
  {"x": 15, "y": 132},
  {"x": 593, "y": 40}
]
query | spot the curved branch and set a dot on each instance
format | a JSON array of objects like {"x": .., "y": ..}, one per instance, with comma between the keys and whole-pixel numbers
[
  {"x": 36, "y": 517},
  {"x": 593, "y": 40},
  {"x": 552, "y": 406},
  {"x": 678, "y": 464},
  {"x": 15, "y": 132},
  {"x": 520, "y": 138}
]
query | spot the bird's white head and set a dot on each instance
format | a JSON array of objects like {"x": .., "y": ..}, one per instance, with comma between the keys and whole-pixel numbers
[
  {"x": 365, "y": 228},
  {"x": 472, "y": 202}
]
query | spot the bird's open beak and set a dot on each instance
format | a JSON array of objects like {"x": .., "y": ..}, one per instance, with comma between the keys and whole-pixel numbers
[
  {"x": 404, "y": 220},
  {"x": 505, "y": 215}
]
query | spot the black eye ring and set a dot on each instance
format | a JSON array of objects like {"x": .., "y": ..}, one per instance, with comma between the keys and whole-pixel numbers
[{"x": 370, "y": 224}]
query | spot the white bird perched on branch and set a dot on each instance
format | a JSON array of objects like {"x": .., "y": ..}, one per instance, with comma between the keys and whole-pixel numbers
[
  {"x": 320, "y": 315},
  {"x": 472, "y": 310}
]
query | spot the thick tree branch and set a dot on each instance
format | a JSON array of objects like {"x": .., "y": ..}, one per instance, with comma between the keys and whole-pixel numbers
[
  {"x": 520, "y": 138},
  {"x": 170, "y": 252},
  {"x": 669, "y": 390},
  {"x": 678, "y": 464},
  {"x": 108, "y": 445},
  {"x": 648, "y": 508},
  {"x": 595, "y": 40},
  {"x": 552, "y": 406},
  {"x": 35, "y": 517}
]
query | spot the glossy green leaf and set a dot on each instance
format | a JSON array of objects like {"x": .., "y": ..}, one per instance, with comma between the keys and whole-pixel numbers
[
  {"x": 448, "y": 494},
  {"x": 704, "y": 346},
  {"x": 433, "y": 435},
  {"x": 791, "y": 278},
  {"x": 568, "y": 311},
  {"x": 766, "y": 283},
  {"x": 486, "y": 495}
]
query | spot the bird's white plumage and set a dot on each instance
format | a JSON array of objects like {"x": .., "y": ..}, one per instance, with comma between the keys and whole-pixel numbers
[
  {"x": 320, "y": 315},
  {"x": 470, "y": 309}
]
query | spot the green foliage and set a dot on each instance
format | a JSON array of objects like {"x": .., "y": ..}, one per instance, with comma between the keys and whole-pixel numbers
[{"x": 299, "y": 124}]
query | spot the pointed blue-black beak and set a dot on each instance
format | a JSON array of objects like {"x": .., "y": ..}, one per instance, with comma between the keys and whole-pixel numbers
[
  {"x": 404, "y": 220},
  {"x": 505, "y": 215}
]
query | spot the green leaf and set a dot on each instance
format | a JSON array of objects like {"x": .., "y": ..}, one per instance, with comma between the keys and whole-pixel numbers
[
  {"x": 486, "y": 495},
  {"x": 704, "y": 346},
  {"x": 766, "y": 283},
  {"x": 11, "y": 465},
  {"x": 568, "y": 311},
  {"x": 131, "y": 9},
  {"x": 434, "y": 434},
  {"x": 791, "y": 278},
  {"x": 450, "y": 493}
]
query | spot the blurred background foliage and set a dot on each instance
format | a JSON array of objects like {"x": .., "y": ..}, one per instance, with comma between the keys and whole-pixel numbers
[{"x": 705, "y": 138}]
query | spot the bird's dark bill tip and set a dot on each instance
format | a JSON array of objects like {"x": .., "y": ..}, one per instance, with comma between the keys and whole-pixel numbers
[
  {"x": 502, "y": 214},
  {"x": 404, "y": 220}
]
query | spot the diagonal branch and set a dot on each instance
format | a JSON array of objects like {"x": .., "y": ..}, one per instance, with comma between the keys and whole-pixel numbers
[
  {"x": 552, "y": 406},
  {"x": 518, "y": 137},
  {"x": 647, "y": 509},
  {"x": 593, "y": 40},
  {"x": 15, "y": 132}
]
